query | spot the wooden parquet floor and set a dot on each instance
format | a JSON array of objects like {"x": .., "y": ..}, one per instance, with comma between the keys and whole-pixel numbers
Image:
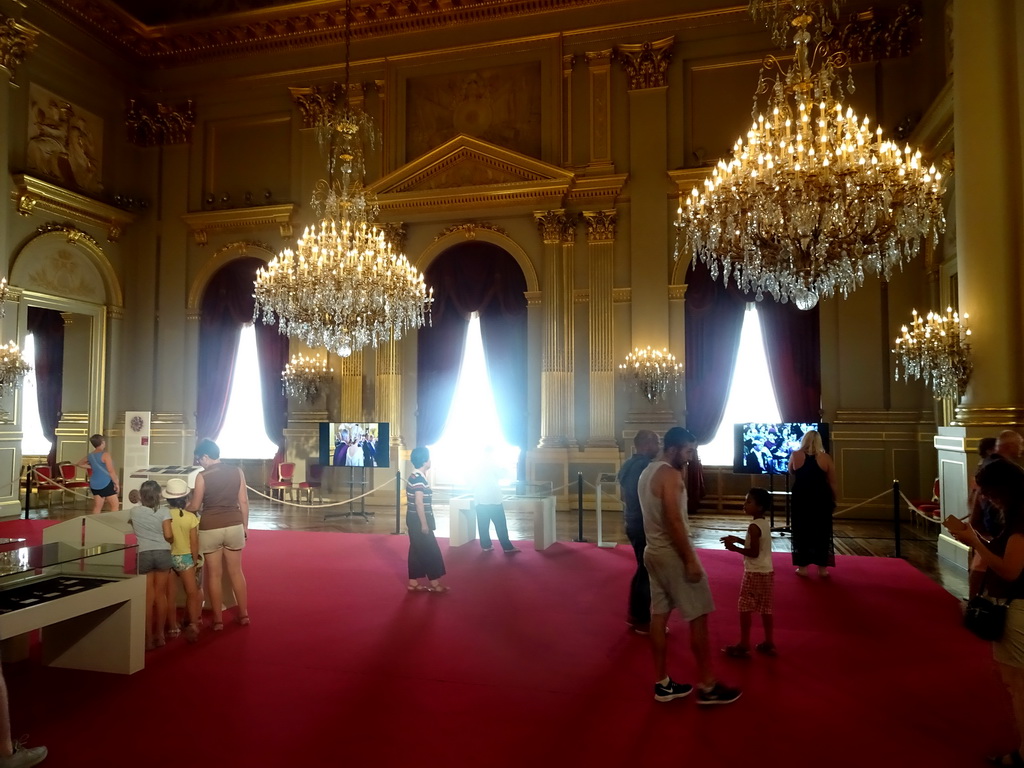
[{"x": 852, "y": 537}]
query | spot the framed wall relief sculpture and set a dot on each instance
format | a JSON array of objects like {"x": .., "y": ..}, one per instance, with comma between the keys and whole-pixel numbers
[
  {"x": 65, "y": 142},
  {"x": 501, "y": 105}
]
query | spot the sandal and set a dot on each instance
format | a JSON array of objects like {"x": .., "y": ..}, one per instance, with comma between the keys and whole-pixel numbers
[
  {"x": 243, "y": 621},
  {"x": 737, "y": 651},
  {"x": 416, "y": 588},
  {"x": 439, "y": 588},
  {"x": 218, "y": 626},
  {"x": 192, "y": 633},
  {"x": 768, "y": 649},
  {"x": 173, "y": 632}
]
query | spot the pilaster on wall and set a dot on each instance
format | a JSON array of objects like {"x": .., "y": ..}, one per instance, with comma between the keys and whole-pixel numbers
[
  {"x": 567, "y": 64},
  {"x": 601, "y": 251},
  {"x": 558, "y": 232},
  {"x": 388, "y": 397},
  {"x": 646, "y": 65},
  {"x": 599, "y": 71}
]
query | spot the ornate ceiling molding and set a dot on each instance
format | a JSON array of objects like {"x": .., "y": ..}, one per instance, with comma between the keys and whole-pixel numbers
[
  {"x": 469, "y": 229},
  {"x": 32, "y": 195},
  {"x": 200, "y": 223},
  {"x": 292, "y": 27},
  {"x": 17, "y": 40}
]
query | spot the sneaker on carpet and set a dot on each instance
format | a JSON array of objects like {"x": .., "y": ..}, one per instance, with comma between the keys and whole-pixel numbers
[
  {"x": 512, "y": 551},
  {"x": 672, "y": 690},
  {"x": 486, "y": 549},
  {"x": 719, "y": 694},
  {"x": 23, "y": 757}
]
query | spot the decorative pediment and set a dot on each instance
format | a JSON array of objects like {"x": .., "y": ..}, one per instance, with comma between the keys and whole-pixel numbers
[{"x": 469, "y": 173}]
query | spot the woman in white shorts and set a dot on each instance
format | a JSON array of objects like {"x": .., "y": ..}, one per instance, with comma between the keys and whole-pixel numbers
[{"x": 220, "y": 497}]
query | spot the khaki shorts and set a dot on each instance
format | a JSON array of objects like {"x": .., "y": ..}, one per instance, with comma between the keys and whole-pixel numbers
[
  {"x": 670, "y": 589},
  {"x": 232, "y": 537}
]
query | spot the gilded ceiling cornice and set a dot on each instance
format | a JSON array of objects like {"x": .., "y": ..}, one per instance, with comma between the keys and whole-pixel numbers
[
  {"x": 160, "y": 124},
  {"x": 17, "y": 40},
  {"x": 200, "y": 223},
  {"x": 267, "y": 29}
]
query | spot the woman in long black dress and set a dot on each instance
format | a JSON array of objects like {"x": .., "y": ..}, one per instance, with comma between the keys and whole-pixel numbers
[
  {"x": 424, "y": 555},
  {"x": 813, "y": 501}
]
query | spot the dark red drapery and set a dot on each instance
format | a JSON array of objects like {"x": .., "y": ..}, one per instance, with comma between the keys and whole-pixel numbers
[
  {"x": 792, "y": 343},
  {"x": 227, "y": 306},
  {"x": 714, "y": 319},
  {"x": 474, "y": 277},
  {"x": 47, "y": 329}
]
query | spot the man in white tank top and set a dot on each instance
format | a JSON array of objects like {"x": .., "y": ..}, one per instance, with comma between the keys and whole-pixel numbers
[{"x": 677, "y": 577}]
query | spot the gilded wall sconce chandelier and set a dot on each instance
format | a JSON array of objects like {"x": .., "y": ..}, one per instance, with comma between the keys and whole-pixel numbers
[
  {"x": 813, "y": 198},
  {"x": 13, "y": 368},
  {"x": 936, "y": 349},
  {"x": 654, "y": 373}
]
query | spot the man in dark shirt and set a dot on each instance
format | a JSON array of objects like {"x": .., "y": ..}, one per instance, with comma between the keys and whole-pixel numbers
[{"x": 646, "y": 448}]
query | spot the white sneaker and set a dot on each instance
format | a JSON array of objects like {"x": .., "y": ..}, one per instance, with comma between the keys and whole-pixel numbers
[{"x": 22, "y": 757}]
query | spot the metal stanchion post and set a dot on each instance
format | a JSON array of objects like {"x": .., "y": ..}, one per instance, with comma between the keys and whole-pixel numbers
[
  {"x": 28, "y": 490},
  {"x": 398, "y": 504},
  {"x": 579, "y": 505},
  {"x": 896, "y": 516}
]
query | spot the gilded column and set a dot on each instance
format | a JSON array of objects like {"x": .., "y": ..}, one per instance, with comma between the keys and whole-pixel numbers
[
  {"x": 599, "y": 72},
  {"x": 646, "y": 65},
  {"x": 350, "y": 400},
  {"x": 600, "y": 252},
  {"x": 389, "y": 392},
  {"x": 989, "y": 193},
  {"x": 557, "y": 423}
]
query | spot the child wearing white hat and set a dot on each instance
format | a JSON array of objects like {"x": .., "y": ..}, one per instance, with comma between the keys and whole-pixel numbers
[{"x": 186, "y": 561}]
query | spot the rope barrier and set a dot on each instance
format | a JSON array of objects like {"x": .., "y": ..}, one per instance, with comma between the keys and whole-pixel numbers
[
  {"x": 862, "y": 503},
  {"x": 322, "y": 506},
  {"x": 920, "y": 512}
]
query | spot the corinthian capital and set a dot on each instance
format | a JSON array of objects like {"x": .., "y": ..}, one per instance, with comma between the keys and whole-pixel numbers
[
  {"x": 17, "y": 40},
  {"x": 646, "y": 64},
  {"x": 600, "y": 225},
  {"x": 555, "y": 226}
]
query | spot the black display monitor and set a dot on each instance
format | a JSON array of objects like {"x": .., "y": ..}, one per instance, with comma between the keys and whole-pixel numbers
[
  {"x": 763, "y": 449},
  {"x": 355, "y": 443}
]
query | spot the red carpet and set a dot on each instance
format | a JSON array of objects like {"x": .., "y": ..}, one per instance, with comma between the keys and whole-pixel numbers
[{"x": 527, "y": 660}]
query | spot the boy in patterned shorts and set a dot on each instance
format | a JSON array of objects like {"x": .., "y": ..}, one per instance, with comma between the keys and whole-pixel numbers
[{"x": 758, "y": 574}]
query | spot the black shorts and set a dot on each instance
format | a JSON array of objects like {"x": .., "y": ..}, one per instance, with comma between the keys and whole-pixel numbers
[{"x": 107, "y": 492}]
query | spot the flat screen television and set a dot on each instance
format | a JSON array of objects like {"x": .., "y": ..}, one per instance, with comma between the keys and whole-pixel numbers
[
  {"x": 763, "y": 449},
  {"x": 355, "y": 443}
]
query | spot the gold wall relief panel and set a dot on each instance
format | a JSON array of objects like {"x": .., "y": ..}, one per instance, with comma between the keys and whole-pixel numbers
[
  {"x": 159, "y": 124},
  {"x": 500, "y": 105},
  {"x": 63, "y": 261},
  {"x": 646, "y": 64},
  {"x": 17, "y": 41},
  {"x": 65, "y": 142},
  {"x": 599, "y": 71}
]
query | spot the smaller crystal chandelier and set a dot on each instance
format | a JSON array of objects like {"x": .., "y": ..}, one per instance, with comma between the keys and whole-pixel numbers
[
  {"x": 654, "y": 373},
  {"x": 4, "y": 292},
  {"x": 12, "y": 368},
  {"x": 936, "y": 350},
  {"x": 306, "y": 377}
]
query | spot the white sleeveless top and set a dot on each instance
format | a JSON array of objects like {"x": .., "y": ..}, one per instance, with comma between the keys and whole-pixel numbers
[
  {"x": 658, "y": 539},
  {"x": 763, "y": 562}
]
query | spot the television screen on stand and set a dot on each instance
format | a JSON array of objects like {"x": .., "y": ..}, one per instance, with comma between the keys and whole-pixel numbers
[
  {"x": 355, "y": 444},
  {"x": 764, "y": 449}
]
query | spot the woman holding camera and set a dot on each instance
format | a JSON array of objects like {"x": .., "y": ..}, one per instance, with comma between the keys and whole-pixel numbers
[{"x": 814, "y": 499}]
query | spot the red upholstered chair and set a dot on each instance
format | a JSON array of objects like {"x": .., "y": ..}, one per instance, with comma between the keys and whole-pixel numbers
[
  {"x": 285, "y": 473},
  {"x": 71, "y": 482},
  {"x": 313, "y": 481},
  {"x": 42, "y": 481},
  {"x": 929, "y": 510}
]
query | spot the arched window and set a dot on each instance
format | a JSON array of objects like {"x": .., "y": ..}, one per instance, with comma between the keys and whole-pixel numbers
[
  {"x": 33, "y": 441},
  {"x": 751, "y": 395}
]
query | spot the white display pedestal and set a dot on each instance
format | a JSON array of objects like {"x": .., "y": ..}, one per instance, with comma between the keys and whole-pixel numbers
[
  {"x": 543, "y": 511},
  {"x": 461, "y": 521}
]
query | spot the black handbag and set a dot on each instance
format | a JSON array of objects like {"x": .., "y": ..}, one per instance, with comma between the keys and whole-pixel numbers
[
  {"x": 430, "y": 521},
  {"x": 986, "y": 616}
]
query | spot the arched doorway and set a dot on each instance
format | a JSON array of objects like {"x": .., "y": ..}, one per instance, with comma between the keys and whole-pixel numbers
[{"x": 473, "y": 277}]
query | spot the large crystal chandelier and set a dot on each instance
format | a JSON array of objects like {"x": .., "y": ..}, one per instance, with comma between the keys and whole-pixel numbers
[
  {"x": 654, "y": 373},
  {"x": 812, "y": 198},
  {"x": 936, "y": 350},
  {"x": 345, "y": 286},
  {"x": 305, "y": 377},
  {"x": 13, "y": 367}
]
